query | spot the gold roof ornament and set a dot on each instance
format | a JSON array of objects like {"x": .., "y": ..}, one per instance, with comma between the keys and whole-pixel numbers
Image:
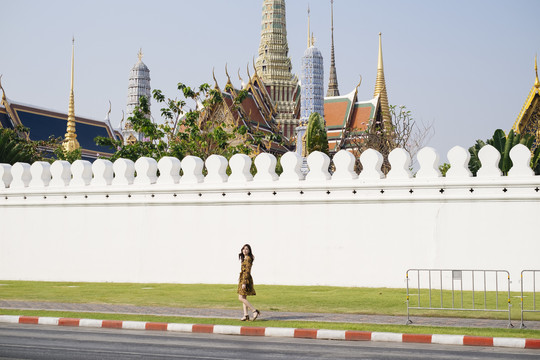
[
  {"x": 140, "y": 54},
  {"x": 3, "y": 91},
  {"x": 536, "y": 82},
  {"x": 70, "y": 140},
  {"x": 525, "y": 121},
  {"x": 380, "y": 86}
]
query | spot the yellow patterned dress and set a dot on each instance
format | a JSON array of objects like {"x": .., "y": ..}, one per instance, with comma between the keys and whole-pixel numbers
[{"x": 245, "y": 278}]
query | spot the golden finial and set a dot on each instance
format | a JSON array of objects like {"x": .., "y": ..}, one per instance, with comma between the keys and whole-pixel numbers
[
  {"x": 249, "y": 76},
  {"x": 380, "y": 85},
  {"x": 227, "y": 73},
  {"x": 359, "y": 83},
  {"x": 140, "y": 54},
  {"x": 3, "y": 91},
  {"x": 380, "y": 63},
  {"x": 536, "y": 82},
  {"x": 254, "y": 67},
  {"x": 214, "y": 76},
  {"x": 70, "y": 140}
]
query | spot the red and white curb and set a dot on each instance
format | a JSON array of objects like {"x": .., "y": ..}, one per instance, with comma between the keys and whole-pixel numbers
[{"x": 280, "y": 332}]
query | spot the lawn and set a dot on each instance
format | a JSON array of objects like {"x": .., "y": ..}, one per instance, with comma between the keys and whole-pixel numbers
[{"x": 318, "y": 299}]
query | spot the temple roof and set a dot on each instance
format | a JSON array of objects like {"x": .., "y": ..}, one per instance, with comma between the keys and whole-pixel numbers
[
  {"x": 346, "y": 116},
  {"x": 532, "y": 103},
  {"x": 44, "y": 123}
]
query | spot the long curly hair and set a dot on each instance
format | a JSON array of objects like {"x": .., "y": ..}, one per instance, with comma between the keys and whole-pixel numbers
[{"x": 241, "y": 255}]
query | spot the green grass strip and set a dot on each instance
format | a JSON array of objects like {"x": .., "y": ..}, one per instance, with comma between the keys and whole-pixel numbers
[{"x": 316, "y": 299}]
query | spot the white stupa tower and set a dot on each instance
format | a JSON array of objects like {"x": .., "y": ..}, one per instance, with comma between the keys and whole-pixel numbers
[{"x": 139, "y": 85}]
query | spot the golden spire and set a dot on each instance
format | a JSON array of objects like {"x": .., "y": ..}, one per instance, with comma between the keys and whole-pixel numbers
[
  {"x": 536, "y": 82},
  {"x": 70, "y": 142},
  {"x": 140, "y": 54},
  {"x": 380, "y": 86}
]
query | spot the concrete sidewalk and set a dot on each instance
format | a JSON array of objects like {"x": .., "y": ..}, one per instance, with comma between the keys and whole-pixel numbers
[{"x": 265, "y": 315}]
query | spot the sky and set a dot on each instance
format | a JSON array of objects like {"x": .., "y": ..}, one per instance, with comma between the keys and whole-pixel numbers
[{"x": 464, "y": 66}]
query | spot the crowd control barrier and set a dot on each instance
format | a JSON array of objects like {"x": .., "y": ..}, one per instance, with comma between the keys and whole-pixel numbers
[
  {"x": 459, "y": 290},
  {"x": 528, "y": 282}
]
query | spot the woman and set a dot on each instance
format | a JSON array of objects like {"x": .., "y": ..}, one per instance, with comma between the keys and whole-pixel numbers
[{"x": 245, "y": 283}]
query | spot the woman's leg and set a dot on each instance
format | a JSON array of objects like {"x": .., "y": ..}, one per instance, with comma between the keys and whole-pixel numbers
[{"x": 246, "y": 304}]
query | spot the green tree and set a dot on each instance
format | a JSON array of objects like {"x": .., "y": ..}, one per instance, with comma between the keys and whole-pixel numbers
[
  {"x": 16, "y": 146},
  {"x": 405, "y": 133},
  {"x": 504, "y": 143},
  {"x": 184, "y": 131},
  {"x": 316, "y": 137}
]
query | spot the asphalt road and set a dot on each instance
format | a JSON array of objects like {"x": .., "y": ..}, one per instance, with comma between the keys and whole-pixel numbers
[{"x": 47, "y": 342}]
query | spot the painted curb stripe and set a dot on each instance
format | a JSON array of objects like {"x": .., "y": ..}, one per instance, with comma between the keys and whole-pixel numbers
[
  {"x": 477, "y": 341},
  {"x": 112, "y": 324},
  {"x": 348, "y": 335},
  {"x": 203, "y": 329},
  {"x": 532, "y": 344},
  {"x": 68, "y": 322},
  {"x": 252, "y": 331},
  {"x": 28, "y": 320},
  {"x": 156, "y": 326},
  {"x": 357, "y": 335},
  {"x": 305, "y": 333},
  {"x": 417, "y": 338}
]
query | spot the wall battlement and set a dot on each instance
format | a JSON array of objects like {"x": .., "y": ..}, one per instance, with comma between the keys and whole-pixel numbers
[{"x": 185, "y": 221}]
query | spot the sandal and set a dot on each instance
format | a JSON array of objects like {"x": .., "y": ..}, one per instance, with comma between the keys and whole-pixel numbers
[
  {"x": 245, "y": 318},
  {"x": 256, "y": 314}
]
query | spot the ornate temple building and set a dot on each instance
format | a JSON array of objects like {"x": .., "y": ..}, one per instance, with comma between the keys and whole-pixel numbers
[
  {"x": 275, "y": 68},
  {"x": 528, "y": 120},
  {"x": 347, "y": 117},
  {"x": 138, "y": 86},
  {"x": 43, "y": 123},
  {"x": 278, "y": 104},
  {"x": 312, "y": 99}
]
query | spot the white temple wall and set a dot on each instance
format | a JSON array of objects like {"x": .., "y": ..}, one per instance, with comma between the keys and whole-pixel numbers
[{"x": 364, "y": 231}]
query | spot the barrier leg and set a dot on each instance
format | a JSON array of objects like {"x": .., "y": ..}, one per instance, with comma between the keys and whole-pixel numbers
[{"x": 510, "y": 326}]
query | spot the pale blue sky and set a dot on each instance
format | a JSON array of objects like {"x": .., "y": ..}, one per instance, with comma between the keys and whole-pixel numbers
[{"x": 466, "y": 66}]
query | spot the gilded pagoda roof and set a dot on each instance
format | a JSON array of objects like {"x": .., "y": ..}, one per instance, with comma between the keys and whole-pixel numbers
[{"x": 531, "y": 103}]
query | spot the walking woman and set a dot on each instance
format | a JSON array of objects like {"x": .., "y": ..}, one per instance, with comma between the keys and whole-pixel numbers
[{"x": 245, "y": 283}]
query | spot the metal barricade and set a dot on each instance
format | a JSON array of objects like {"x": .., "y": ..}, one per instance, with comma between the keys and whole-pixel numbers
[
  {"x": 531, "y": 304},
  {"x": 459, "y": 290}
]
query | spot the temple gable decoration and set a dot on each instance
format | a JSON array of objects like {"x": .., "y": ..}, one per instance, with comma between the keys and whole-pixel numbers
[{"x": 528, "y": 121}]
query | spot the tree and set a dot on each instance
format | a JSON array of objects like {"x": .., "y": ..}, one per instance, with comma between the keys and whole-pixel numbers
[
  {"x": 504, "y": 143},
  {"x": 16, "y": 146},
  {"x": 188, "y": 131},
  {"x": 316, "y": 136},
  {"x": 405, "y": 132}
]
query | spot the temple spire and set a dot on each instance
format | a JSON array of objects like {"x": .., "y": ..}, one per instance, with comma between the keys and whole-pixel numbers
[
  {"x": 308, "y": 27},
  {"x": 274, "y": 67},
  {"x": 380, "y": 86},
  {"x": 70, "y": 140},
  {"x": 536, "y": 82},
  {"x": 333, "y": 87}
]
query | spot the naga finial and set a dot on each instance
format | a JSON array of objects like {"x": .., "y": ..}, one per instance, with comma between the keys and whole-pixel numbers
[
  {"x": 1, "y": 87},
  {"x": 227, "y": 73},
  {"x": 359, "y": 83},
  {"x": 241, "y": 80},
  {"x": 214, "y": 76}
]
